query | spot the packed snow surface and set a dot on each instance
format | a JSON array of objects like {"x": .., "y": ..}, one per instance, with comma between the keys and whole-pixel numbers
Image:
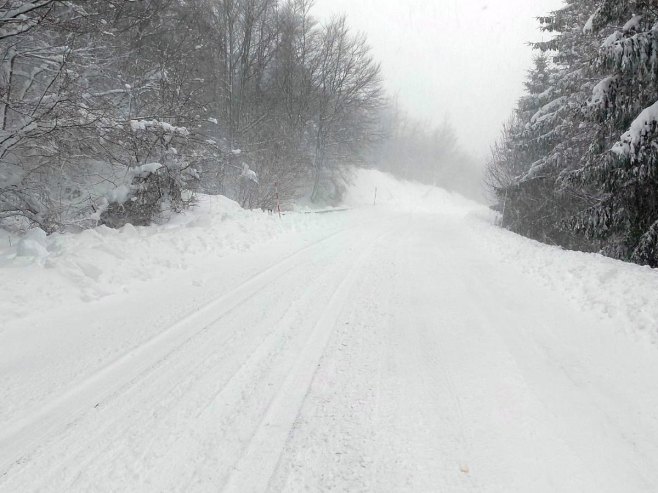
[{"x": 410, "y": 345}]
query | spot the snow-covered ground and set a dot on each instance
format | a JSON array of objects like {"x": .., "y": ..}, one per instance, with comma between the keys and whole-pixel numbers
[
  {"x": 407, "y": 346},
  {"x": 42, "y": 273}
]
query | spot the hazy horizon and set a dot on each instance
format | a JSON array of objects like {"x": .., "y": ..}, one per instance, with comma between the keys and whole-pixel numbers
[{"x": 437, "y": 71}]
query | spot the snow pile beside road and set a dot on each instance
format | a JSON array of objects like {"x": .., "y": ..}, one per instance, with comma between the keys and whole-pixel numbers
[
  {"x": 38, "y": 273},
  {"x": 623, "y": 293},
  {"x": 403, "y": 195}
]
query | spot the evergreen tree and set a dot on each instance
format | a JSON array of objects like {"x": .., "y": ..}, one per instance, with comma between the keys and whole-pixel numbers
[
  {"x": 587, "y": 159},
  {"x": 623, "y": 163},
  {"x": 546, "y": 136},
  {"x": 527, "y": 194}
]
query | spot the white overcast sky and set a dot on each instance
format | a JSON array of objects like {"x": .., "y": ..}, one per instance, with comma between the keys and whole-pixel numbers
[{"x": 464, "y": 59}]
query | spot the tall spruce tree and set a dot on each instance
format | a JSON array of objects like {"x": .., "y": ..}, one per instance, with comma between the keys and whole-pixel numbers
[
  {"x": 528, "y": 197},
  {"x": 549, "y": 135},
  {"x": 623, "y": 161},
  {"x": 588, "y": 157}
]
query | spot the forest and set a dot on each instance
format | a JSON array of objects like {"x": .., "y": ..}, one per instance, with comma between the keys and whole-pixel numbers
[
  {"x": 121, "y": 111},
  {"x": 577, "y": 164}
]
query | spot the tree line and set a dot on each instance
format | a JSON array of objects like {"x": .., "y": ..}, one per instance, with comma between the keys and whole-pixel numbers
[
  {"x": 577, "y": 164},
  {"x": 116, "y": 111}
]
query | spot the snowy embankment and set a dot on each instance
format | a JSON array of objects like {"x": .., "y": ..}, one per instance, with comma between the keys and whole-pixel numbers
[
  {"x": 370, "y": 187},
  {"x": 73, "y": 306},
  {"x": 625, "y": 294},
  {"x": 39, "y": 273}
]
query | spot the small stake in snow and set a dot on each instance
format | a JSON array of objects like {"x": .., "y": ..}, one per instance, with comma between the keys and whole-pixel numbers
[
  {"x": 504, "y": 208},
  {"x": 375, "y": 201},
  {"x": 278, "y": 202}
]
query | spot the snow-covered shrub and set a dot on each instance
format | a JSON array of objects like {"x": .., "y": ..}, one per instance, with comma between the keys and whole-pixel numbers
[
  {"x": 154, "y": 193},
  {"x": 154, "y": 190}
]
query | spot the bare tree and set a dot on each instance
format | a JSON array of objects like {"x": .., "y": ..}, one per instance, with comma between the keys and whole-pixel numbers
[
  {"x": 113, "y": 110},
  {"x": 348, "y": 96}
]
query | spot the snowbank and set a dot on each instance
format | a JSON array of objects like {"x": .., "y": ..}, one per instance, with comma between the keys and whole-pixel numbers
[
  {"x": 625, "y": 294},
  {"x": 38, "y": 273},
  {"x": 403, "y": 196}
]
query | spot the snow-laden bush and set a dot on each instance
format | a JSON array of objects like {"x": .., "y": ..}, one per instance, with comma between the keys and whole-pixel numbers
[{"x": 154, "y": 193}]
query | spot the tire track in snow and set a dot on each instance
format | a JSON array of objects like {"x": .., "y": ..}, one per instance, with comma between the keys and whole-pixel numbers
[
  {"x": 164, "y": 397},
  {"x": 259, "y": 460},
  {"x": 231, "y": 395},
  {"x": 18, "y": 438},
  {"x": 435, "y": 355},
  {"x": 333, "y": 445}
]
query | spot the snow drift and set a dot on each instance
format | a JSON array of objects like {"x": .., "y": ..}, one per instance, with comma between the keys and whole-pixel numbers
[
  {"x": 403, "y": 196},
  {"x": 38, "y": 273}
]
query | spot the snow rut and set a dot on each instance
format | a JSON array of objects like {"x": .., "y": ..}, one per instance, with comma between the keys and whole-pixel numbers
[
  {"x": 186, "y": 400},
  {"x": 20, "y": 439},
  {"x": 260, "y": 458}
]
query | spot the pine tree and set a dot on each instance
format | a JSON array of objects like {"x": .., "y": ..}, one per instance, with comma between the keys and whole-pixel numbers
[
  {"x": 623, "y": 161},
  {"x": 527, "y": 139},
  {"x": 553, "y": 141}
]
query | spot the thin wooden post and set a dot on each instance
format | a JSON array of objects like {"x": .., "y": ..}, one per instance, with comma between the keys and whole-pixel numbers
[{"x": 278, "y": 201}]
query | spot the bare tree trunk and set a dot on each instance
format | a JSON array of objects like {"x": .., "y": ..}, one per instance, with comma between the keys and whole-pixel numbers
[{"x": 8, "y": 76}]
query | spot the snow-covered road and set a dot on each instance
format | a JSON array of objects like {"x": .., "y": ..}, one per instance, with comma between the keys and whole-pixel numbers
[{"x": 395, "y": 352}]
